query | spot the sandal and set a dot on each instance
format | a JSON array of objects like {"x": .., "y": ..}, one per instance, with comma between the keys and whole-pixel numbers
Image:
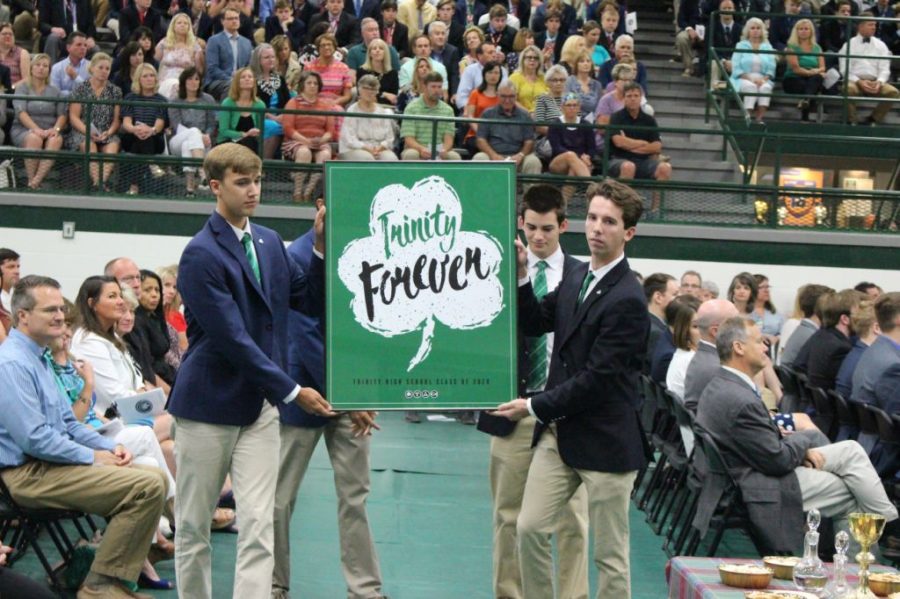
[{"x": 222, "y": 518}]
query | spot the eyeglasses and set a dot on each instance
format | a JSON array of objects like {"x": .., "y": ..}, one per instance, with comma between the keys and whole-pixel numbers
[
  {"x": 556, "y": 80},
  {"x": 507, "y": 96},
  {"x": 51, "y": 310},
  {"x": 531, "y": 57}
]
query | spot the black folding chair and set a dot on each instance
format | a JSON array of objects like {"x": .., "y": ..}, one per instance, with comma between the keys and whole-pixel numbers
[
  {"x": 848, "y": 421},
  {"x": 826, "y": 413}
]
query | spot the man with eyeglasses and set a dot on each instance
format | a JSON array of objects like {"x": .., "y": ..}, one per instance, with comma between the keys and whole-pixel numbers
[
  {"x": 226, "y": 52},
  {"x": 126, "y": 272},
  {"x": 50, "y": 460},
  {"x": 510, "y": 141},
  {"x": 692, "y": 284}
]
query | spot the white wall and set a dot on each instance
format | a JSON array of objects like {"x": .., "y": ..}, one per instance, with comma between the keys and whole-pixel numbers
[{"x": 72, "y": 260}]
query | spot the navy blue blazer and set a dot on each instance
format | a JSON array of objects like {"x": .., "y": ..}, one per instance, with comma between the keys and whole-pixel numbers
[
  {"x": 498, "y": 425},
  {"x": 237, "y": 327},
  {"x": 598, "y": 348},
  {"x": 306, "y": 345}
]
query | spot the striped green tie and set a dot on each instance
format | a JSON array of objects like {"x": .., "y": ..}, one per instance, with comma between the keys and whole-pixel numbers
[
  {"x": 584, "y": 287},
  {"x": 537, "y": 357},
  {"x": 247, "y": 242}
]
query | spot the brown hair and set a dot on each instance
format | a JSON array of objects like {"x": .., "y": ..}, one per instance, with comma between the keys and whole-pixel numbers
[
  {"x": 622, "y": 196},
  {"x": 887, "y": 307},
  {"x": 239, "y": 159}
]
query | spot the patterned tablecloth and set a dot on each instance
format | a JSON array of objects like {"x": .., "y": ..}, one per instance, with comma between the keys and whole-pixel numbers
[{"x": 698, "y": 578}]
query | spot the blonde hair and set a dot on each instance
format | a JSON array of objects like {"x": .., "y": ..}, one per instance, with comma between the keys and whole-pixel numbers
[
  {"x": 540, "y": 61},
  {"x": 97, "y": 59},
  {"x": 170, "y": 272},
  {"x": 34, "y": 59},
  {"x": 755, "y": 21},
  {"x": 415, "y": 78},
  {"x": 583, "y": 55},
  {"x": 862, "y": 317},
  {"x": 386, "y": 65},
  {"x": 138, "y": 73},
  {"x": 189, "y": 39},
  {"x": 234, "y": 92},
  {"x": 570, "y": 50},
  {"x": 794, "y": 41},
  {"x": 472, "y": 29},
  {"x": 235, "y": 157}
]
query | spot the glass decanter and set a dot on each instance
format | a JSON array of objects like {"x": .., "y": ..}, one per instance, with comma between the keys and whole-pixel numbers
[
  {"x": 838, "y": 586},
  {"x": 810, "y": 574}
]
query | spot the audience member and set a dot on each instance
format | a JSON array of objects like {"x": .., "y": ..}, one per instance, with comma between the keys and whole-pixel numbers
[
  {"x": 886, "y": 30},
  {"x": 821, "y": 356},
  {"x": 486, "y": 96},
  {"x": 469, "y": 13},
  {"x": 393, "y": 32},
  {"x": 422, "y": 49},
  {"x": 455, "y": 30},
  {"x": 497, "y": 31},
  {"x": 529, "y": 78},
  {"x": 704, "y": 366},
  {"x": 524, "y": 38},
  {"x": 358, "y": 54},
  {"x": 16, "y": 59},
  {"x": 59, "y": 20},
  {"x": 665, "y": 345},
  {"x": 548, "y": 109},
  {"x": 272, "y": 90},
  {"x": 551, "y": 40},
  {"x": 341, "y": 25},
  {"x": 764, "y": 313},
  {"x": 868, "y": 70},
  {"x": 872, "y": 290},
  {"x": 659, "y": 290},
  {"x": 592, "y": 32},
  {"x": 283, "y": 22},
  {"x": 513, "y": 140},
  {"x": 686, "y": 337},
  {"x": 378, "y": 64},
  {"x": 39, "y": 123},
  {"x": 863, "y": 323},
  {"x": 143, "y": 124},
  {"x": 805, "y": 66},
  {"x": 364, "y": 138},
  {"x": 568, "y": 17},
  {"x": 172, "y": 303},
  {"x": 472, "y": 39},
  {"x": 215, "y": 23},
  {"x": 724, "y": 38},
  {"x": 624, "y": 52},
  {"x": 307, "y": 137},
  {"x": 743, "y": 292},
  {"x": 689, "y": 40},
  {"x": 582, "y": 83},
  {"x": 807, "y": 300},
  {"x": 287, "y": 64},
  {"x": 193, "y": 127},
  {"x": 571, "y": 50},
  {"x": 709, "y": 290},
  {"x": 176, "y": 52},
  {"x": 140, "y": 13},
  {"x": 150, "y": 319},
  {"x": 54, "y": 470},
  {"x": 571, "y": 147},
  {"x": 242, "y": 124},
  {"x": 418, "y": 143},
  {"x": 753, "y": 70},
  {"x": 73, "y": 69},
  {"x": 691, "y": 284},
  {"x": 415, "y": 15},
  {"x": 612, "y": 101},
  {"x": 444, "y": 53},
  {"x": 781, "y": 27},
  {"x": 417, "y": 87},
  {"x": 226, "y": 52},
  {"x": 781, "y": 476},
  {"x": 470, "y": 78},
  {"x": 101, "y": 133},
  {"x": 635, "y": 141},
  {"x": 834, "y": 32},
  {"x": 10, "y": 269},
  {"x": 883, "y": 352},
  {"x": 130, "y": 57},
  {"x": 610, "y": 27}
]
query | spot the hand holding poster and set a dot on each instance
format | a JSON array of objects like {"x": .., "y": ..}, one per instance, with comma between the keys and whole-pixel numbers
[{"x": 425, "y": 280}]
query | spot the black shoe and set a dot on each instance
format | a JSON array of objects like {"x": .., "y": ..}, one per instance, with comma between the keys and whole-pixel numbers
[{"x": 467, "y": 417}]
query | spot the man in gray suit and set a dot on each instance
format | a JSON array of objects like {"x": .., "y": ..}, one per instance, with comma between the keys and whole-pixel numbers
[
  {"x": 884, "y": 352},
  {"x": 226, "y": 52},
  {"x": 705, "y": 364},
  {"x": 809, "y": 297},
  {"x": 780, "y": 476}
]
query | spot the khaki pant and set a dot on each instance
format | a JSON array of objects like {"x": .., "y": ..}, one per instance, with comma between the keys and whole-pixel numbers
[
  {"x": 550, "y": 486},
  {"x": 881, "y": 110},
  {"x": 510, "y": 460},
  {"x": 131, "y": 498},
  {"x": 349, "y": 457},
  {"x": 530, "y": 165},
  {"x": 414, "y": 155},
  {"x": 204, "y": 454}
]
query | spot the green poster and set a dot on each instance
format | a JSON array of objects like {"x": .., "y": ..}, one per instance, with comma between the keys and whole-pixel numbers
[{"x": 421, "y": 285}]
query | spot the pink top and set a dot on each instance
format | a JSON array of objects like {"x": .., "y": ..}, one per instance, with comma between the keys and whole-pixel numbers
[
  {"x": 336, "y": 77},
  {"x": 13, "y": 61},
  {"x": 307, "y": 125}
]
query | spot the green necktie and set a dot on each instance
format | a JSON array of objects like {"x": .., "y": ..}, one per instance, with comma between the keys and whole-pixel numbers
[
  {"x": 584, "y": 286},
  {"x": 537, "y": 357},
  {"x": 247, "y": 242}
]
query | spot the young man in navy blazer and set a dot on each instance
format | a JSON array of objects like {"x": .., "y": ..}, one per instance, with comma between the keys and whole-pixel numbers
[
  {"x": 542, "y": 217},
  {"x": 587, "y": 420},
  {"x": 238, "y": 284}
]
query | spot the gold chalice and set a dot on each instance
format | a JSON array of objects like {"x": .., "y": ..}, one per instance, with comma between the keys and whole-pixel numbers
[{"x": 866, "y": 529}]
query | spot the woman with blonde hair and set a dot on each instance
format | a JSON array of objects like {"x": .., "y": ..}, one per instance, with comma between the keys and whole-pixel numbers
[
  {"x": 529, "y": 78},
  {"x": 805, "y": 66},
  {"x": 38, "y": 123},
  {"x": 142, "y": 124},
  {"x": 571, "y": 50},
  {"x": 524, "y": 38},
  {"x": 417, "y": 85},
  {"x": 272, "y": 90},
  {"x": 753, "y": 68},
  {"x": 242, "y": 126},
  {"x": 176, "y": 52},
  {"x": 581, "y": 82},
  {"x": 101, "y": 134},
  {"x": 472, "y": 38},
  {"x": 378, "y": 65},
  {"x": 171, "y": 301}
]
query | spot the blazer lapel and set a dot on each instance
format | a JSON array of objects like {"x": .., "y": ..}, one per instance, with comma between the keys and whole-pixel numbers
[
  {"x": 226, "y": 238},
  {"x": 595, "y": 295}
]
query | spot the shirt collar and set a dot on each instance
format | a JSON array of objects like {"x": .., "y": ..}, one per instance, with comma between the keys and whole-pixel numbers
[
  {"x": 240, "y": 232},
  {"x": 604, "y": 270},
  {"x": 555, "y": 260},
  {"x": 712, "y": 345},
  {"x": 26, "y": 342},
  {"x": 743, "y": 376}
]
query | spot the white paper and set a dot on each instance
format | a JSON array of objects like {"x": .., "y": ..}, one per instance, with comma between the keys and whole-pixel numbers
[
  {"x": 111, "y": 428},
  {"x": 631, "y": 22},
  {"x": 701, "y": 31},
  {"x": 141, "y": 406},
  {"x": 832, "y": 76}
]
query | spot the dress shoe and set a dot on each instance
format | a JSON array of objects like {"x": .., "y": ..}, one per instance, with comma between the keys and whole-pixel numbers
[{"x": 109, "y": 591}]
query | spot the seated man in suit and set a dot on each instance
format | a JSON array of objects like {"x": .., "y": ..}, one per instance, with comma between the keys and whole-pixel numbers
[
  {"x": 884, "y": 352},
  {"x": 807, "y": 300},
  {"x": 341, "y": 24},
  {"x": 393, "y": 32},
  {"x": 444, "y": 53},
  {"x": 820, "y": 358},
  {"x": 542, "y": 217},
  {"x": 659, "y": 289},
  {"x": 226, "y": 52},
  {"x": 283, "y": 22},
  {"x": 497, "y": 31},
  {"x": 705, "y": 363},
  {"x": 140, "y": 13},
  {"x": 599, "y": 320},
  {"x": 780, "y": 476},
  {"x": 58, "y": 21},
  {"x": 50, "y": 460},
  {"x": 724, "y": 37}
]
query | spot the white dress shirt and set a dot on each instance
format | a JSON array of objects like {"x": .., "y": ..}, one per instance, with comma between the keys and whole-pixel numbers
[
  {"x": 678, "y": 370},
  {"x": 874, "y": 64}
]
